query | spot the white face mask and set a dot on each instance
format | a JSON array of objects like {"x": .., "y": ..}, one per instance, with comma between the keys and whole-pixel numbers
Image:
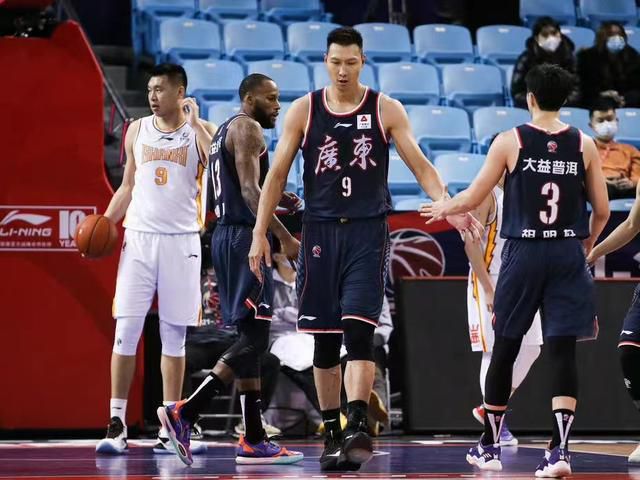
[
  {"x": 551, "y": 43},
  {"x": 606, "y": 130}
]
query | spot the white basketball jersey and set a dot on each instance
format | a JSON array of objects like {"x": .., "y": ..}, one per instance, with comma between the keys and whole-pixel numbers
[
  {"x": 169, "y": 191},
  {"x": 491, "y": 240}
]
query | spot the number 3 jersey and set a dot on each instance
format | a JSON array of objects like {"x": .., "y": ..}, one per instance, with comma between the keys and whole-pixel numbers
[
  {"x": 169, "y": 192},
  {"x": 346, "y": 160},
  {"x": 545, "y": 195}
]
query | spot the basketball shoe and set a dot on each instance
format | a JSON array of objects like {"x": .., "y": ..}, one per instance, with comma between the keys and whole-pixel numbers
[
  {"x": 265, "y": 452},
  {"x": 485, "y": 457},
  {"x": 329, "y": 460},
  {"x": 163, "y": 444},
  {"x": 635, "y": 455},
  {"x": 556, "y": 464},
  {"x": 357, "y": 446},
  {"x": 178, "y": 430},
  {"x": 115, "y": 443},
  {"x": 507, "y": 439}
]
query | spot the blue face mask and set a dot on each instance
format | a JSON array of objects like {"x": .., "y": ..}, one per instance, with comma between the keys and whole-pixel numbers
[{"x": 615, "y": 43}]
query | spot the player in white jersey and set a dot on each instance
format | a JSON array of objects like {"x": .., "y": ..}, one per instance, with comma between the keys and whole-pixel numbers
[
  {"x": 163, "y": 195},
  {"x": 485, "y": 260}
]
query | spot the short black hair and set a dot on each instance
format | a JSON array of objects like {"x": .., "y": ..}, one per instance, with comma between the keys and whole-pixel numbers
[
  {"x": 175, "y": 73},
  {"x": 250, "y": 83},
  {"x": 344, "y": 36},
  {"x": 543, "y": 22},
  {"x": 550, "y": 84},
  {"x": 602, "y": 104}
]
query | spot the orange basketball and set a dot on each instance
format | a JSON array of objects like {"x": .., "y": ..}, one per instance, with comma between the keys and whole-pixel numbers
[{"x": 96, "y": 236}]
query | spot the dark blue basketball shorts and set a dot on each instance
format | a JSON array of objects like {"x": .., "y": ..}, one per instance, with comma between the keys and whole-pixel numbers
[
  {"x": 242, "y": 296},
  {"x": 630, "y": 334},
  {"x": 548, "y": 274},
  {"x": 342, "y": 268}
]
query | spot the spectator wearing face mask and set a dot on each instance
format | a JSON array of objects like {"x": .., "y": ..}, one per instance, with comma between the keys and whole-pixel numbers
[
  {"x": 546, "y": 45},
  {"x": 620, "y": 162},
  {"x": 611, "y": 68}
]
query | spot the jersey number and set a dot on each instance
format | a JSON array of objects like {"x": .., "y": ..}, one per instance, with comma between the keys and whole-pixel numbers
[
  {"x": 346, "y": 186},
  {"x": 161, "y": 176},
  {"x": 552, "y": 191},
  {"x": 217, "y": 186}
]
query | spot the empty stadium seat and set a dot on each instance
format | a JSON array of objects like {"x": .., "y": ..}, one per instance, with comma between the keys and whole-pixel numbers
[
  {"x": 321, "y": 76},
  {"x": 458, "y": 170},
  {"x": 621, "y": 204},
  {"x": 576, "y": 117},
  {"x": 414, "y": 83},
  {"x": 307, "y": 41},
  {"x": 401, "y": 180},
  {"x": 146, "y": 16},
  {"x": 629, "y": 126},
  {"x": 219, "y": 112},
  {"x": 441, "y": 128},
  {"x": 292, "y": 78},
  {"x": 294, "y": 179},
  {"x": 562, "y": 11},
  {"x": 501, "y": 44},
  {"x": 188, "y": 39},
  {"x": 213, "y": 80},
  {"x": 409, "y": 204},
  {"x": 470, "y": 86},
  {"x": 580, "y": 36},
  {"x": 489, "y": 121},
  {"x": 438, "y": 43},
  {"x": 633, "y": 37},
  {"x": 222, "y": 11},
  {"x": 285, "y": 12},
  {"x": 594, "y": 12},
  {"x": 385, "y": 42},
  {"x": 252, "y": 41}
]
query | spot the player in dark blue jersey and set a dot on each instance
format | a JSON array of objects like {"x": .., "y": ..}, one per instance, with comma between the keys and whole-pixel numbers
[
  {"x": 239, "y": 163},
  {"x": 343, "y": 131},
  {"x": 552, "y": 169}
]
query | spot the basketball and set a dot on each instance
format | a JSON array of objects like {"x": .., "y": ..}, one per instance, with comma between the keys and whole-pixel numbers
[{"x": 96, "y": 236}]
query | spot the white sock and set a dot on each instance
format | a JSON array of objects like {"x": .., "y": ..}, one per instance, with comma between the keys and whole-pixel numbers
[
  {"x": 118, "y": 408},
  {"x": 527, "y": 355},
  {"x": 484, "y": 366}
]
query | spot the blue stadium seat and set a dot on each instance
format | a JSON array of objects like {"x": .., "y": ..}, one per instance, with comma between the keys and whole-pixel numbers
[
  {"x": 219, "y": 112},
  {"x": 562, "y": 11},
  {"x": 470, "y": 86},
  {"x": 439, "y": 43},
  {"x": 458, "y": 170},
  {"x": 594, "y": 12},
  {"x": 213, "y": 80},
  {"x": 222, "y": 11},
  {"x": 253, "y": 41},
  {"x": 633, "y": 37},
  {"x": 188, "y": 39},
  {"x": 489, "y": 121},
  {"x": 400, "y": 179},
  {"x": 294, "y": 179},
  {"x": 409, "y": 204},
  {"x": 385, "y": 42},
  {"x": 501, "y": 44},
  {"x": 292, "y": 78},
  {"x": 414, "y": 83},
  {"x": 629, "y": 126},
  {"x": 307, "y": 41},
  {"x": 576, "y": 117},
  {"x": 146, "y": 16},
  {"x": 321, "y": 76},
  {"x": 285, "y": 12},
  {"x": 621, "y": 204},
  {"x": 580, "y": 36},
  {"x": 441, "y": 128}
]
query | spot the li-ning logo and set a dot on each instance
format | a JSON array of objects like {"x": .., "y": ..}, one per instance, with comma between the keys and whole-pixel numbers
[
  {"x": 346, "y": 125},
  {"x": 552, "y": 146},
  {"x": 316, "y": 251},
  {"x": 31, "y": 218}
]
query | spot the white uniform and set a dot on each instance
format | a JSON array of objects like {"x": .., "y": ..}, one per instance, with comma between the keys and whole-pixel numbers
[
  {"x": 161, "y": 247},
  {"x": 480, "y": 318}
]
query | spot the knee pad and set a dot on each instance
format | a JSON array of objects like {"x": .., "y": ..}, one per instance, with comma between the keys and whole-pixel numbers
[
  {"x": 500, "y": 372},
  {"x": 243, "y": 357},
  {"x": 358, "y": 339},
  {"x": 326, "y": 350},
  {"x": 173, "y": 339},
  {"x": 630, "y": 362},
  {"x": 128, "y": 332},
  {"x": 564, "y": 374}
]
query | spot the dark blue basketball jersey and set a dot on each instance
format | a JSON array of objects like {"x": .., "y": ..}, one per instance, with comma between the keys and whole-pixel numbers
[
  {"x": 346, "y": 161},
  {"x": 230, "y": 207},
  {"x": 545, "y": 196}
]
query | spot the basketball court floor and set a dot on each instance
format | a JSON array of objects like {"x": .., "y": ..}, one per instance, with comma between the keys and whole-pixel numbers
[{"x": 395, "y": 458}]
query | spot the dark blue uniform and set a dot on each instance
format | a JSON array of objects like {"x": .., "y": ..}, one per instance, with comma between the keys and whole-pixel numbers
[
  {"x": 242, "y": 296},
  {"x": 545, "y": 217},
  {"x": 345, "y": 239},
  {"x": 630, "y": 334}
]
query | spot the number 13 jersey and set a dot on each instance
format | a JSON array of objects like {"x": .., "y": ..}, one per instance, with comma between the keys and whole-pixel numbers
[
  {"x": 545, "y": 195},
  {"x": 346, "y": 160}
]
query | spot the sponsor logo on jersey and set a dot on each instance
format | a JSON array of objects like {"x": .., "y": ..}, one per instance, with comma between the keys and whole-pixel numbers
[
  {"x": 316, "y": 251},
  {"x": 364, "y": 121},
  {"x": 346, "y": 125},
  {"x": 552, "y": 146}
]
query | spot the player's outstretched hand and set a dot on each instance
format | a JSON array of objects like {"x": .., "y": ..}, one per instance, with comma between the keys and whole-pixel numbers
[
  {"x": 436, "y": 210},
  {"x": 191, "y": 111},
  {"x": 466, "y": 224},
  {"x": 290, "y": 201},
  {"x": 260, "y": 250}
]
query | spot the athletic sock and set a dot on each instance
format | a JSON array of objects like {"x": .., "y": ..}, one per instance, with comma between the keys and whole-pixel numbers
[
  {"x": 492, "y": 423},
  {"x": 251, "y": 412},
  {"x": 562, "y": 421},
  {"x": 331, "y": 419},
  {"x": 118, "y": 408},
  {"x": 209, "y": 388}
]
